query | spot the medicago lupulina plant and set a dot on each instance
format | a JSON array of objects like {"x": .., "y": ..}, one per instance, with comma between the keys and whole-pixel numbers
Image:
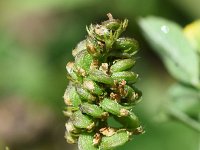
[{"x": 101, "y": 87}]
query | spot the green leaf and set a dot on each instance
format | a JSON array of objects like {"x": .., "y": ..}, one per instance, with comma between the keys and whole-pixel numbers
[
  {"x": 168, "y": 40},
  {"x": 185, "y": 99}
]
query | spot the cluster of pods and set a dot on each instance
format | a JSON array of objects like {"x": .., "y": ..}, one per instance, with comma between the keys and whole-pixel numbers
[{"x": 101, "y": 95}]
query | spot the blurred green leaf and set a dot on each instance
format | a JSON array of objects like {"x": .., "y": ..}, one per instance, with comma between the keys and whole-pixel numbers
[
  {"x": 190, "y": 7},
  {"x": 192, "y": 32},
  {"x": 23, "y": 5},
  {"x": 22, "y": 72},
  {"x": 185, "y": 99},
  {"x": 168, "y": 41}
]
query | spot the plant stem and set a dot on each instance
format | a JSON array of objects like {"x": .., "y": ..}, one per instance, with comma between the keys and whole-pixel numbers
[
  {"x": 199, "y": 134},
  {"x": 180, "y": 116}
]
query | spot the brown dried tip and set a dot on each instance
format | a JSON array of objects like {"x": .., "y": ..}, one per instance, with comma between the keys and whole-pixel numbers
[
  {"x": 124, "y": 112},
  {"x": 94, "y": 64},
  {"x": 139, "y": 130},
  {"x": 115, "y": 96},
  {"x": 91, "y": 126},
  {"x": 104, "y": 68},
  {"x": 107, "y": 131},
  {"x": 97, "y": 139},
  {"x": 110, "y": 17}
]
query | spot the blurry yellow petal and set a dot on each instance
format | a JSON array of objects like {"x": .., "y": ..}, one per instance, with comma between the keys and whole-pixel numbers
[{"x": 192, "y": 32}]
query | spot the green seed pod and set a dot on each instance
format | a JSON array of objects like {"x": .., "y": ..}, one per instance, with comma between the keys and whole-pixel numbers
[
  {"x": 99, "y": 32},
  {"x": 128, "y": 92},
  {"x": 85, "y": 95},
  {"x": 71, "y": 97},
  {"x": 71, "y": 139},
  {"x": 68, "y": 111},
  {"x": 118, "y": 139},
  {"x": 92, "y": 86},
  {"x": 101, "y": 77},
  {"x": 136, "y": 97},
  {"x": 127, "y": 45},
  {"x": 121, "y": 29},
  {"x": 82, "y": 121},
  {"x": 133, "y": 94},
  {"x": 85, "y": 142},
  {"x": 71, "y": 72},
  {"x": 129, "y": 77},
  {"x": 71, "y": 128},
  {"x": 122, "y": 65},
  {"x": 130, "y": 122},
  {"x": 113, "y": 107},
  {"x": 109, "y": 41},
  {"x": 111, "y": 24},
  {"x": 80, "y": 47},
  {"x": 93, "y": 110},
  {"x": 83, "y": 61},
  {"x": 94, "y": 47},
  {"x": 108, "y": 33}
]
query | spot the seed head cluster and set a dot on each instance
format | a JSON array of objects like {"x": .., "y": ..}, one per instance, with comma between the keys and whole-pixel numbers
[{"x": 101, "y": 90}]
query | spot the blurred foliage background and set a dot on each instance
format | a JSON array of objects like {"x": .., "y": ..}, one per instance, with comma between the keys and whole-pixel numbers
[{"x": 36, "y": 39}]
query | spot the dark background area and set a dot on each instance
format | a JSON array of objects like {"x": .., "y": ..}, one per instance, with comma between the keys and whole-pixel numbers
[{"x": 36, "y": 40}]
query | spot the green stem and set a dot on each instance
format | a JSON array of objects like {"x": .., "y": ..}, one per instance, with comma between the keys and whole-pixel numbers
[
  {"x": 185, "y": 119},
  {"x": 199, "y": 134}
]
